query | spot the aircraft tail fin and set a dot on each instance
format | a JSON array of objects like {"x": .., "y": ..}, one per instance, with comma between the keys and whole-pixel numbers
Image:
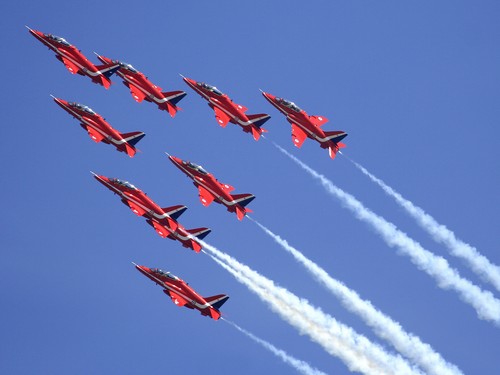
[
  {"x": 336, "y": 135},
  {"x": 108, "y": 69},
  {"x": 259, "y": 119},
  {"x": 243, "y": 199},
  {"x": 200, "y": 233},
  {"x": 133, "y": 137},
  {"x": 174, "y": 97},
  {"x": 217, "y": 301},
  {"x": 174, "y": 211}
]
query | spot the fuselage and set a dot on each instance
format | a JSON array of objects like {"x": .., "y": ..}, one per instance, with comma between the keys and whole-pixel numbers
[
  {"x": 92, "y": 119},
  {"x": 173, "y": 284},
  {"x": 220, "y": 100},
  {"x": 137, "y": 199},
  {"x": 205, "y": 179},
  {"x": 65, "y": 50}
]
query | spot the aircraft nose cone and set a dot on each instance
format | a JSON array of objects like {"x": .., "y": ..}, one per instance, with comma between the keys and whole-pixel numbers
[
  {"x": 61, "y": 102},
  {"x": 174, "y": 159},
  {"x": 189, "y": 81},
  {"x": 268, "y": 96}
]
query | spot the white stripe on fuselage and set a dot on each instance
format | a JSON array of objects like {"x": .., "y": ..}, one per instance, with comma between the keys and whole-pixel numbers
[
  {"x": 148, "y": 211},
  {"x": 321, "y": 140},
  {"x": 197, "y": 180},
  {"x": 176, "y": 291},
  {"x": 60, "y": 52},
  {"x": 237, "y": 119},
  {"x": 82, "y": 119},
  {"x": 148, "y": 94}
]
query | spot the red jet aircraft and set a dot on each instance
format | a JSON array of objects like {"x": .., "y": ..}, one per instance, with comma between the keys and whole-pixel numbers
[
  {"x": 99, "y": 130},
  {"x": 228, "y": 111},
  {"x": 163, "y": 220},
  {"x": 74, "y": 60},
  {"x": 212, "y": 190},
  {"x": 142, "y": 88},
  {"x": 304, "y": 126},
  {"x": 183, "y": 295}
]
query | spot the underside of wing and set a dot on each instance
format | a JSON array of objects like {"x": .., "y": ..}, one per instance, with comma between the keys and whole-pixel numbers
[
  {"x": 206, "y": 197},
  {"x": 318, "y": 121},
  {"x": 73, "y": 69},
  {"x": 160, "y": 229},
  {"x": 298, "y": 135},
  {"x": 221, "y": 117},
  {"x": 94, "y": 134},
  {"x": 177, "y": 299},
  {"x": 137, "y": 94},
  {"x": 135, "y": 208}
]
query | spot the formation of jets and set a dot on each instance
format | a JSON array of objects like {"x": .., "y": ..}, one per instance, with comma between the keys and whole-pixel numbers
[{"x": 164, "y": 220}]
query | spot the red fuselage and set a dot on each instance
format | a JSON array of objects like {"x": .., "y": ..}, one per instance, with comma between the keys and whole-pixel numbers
[
  {"x": 142, "y": 88},
  {"x": 226, "y": 110},
  {"x": 180, "y": 292},
  {"x": 156, "y": 216},
  {"x": 211, "y": 189},
  {"x": 71, "y": 57},
  {"x": 305, "y": 126},
  {"x": 97, "y": 127}
]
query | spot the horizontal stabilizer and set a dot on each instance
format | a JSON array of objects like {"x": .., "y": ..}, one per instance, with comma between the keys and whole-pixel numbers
[{"x": 175, "y": 211}]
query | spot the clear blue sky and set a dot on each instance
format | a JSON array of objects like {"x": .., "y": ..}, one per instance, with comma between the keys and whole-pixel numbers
[{"x": 416, "y": 86}]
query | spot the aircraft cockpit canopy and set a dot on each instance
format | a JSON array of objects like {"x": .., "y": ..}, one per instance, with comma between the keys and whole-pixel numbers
[
  {"x": 58, "y": 39},
  {"x": 123, "y": 183},
  {"x": 164, "y": 274},
  {"x": 214, "y": 89},
  {"x": 289, "y": 104},
  {"x": 82, "y": 107},
  {"x": 127, "y": 66},
  {"x": 196, "y": 167}
]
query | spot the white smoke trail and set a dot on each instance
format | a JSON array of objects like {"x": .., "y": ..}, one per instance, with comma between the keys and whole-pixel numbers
[
  {"x": 356, "y": 351},
  {"x": 485, "y": 304},
  {"x": 406, "y": 343},
  {"x": 440, "y": 233},
  {"x": 297, "y": 364}
]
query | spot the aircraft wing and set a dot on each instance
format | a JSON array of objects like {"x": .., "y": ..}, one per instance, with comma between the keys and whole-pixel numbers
[
  {"x": 318, "y": 121},
  {"x": 241, "y": 107},
  {"x": 298, "y": 135},
  {"x": 160, "y": 229},
  {"x": 94, "y": 134},
  {"x": 134, "y": 207},
  {"x": 177, "y": 299},
  {"x": 221, "y": 116},
  {"x": 226, "y": 187},
  {"x": 73, "y": 69},
  {"x": 206, "y": 197},
  {"x": 137, "y": 94}
]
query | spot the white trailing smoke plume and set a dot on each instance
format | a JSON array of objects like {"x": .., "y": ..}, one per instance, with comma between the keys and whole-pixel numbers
[
  {"x": 384, "y": 327},
  {"x": 297, "y": 364},
  {"x": 485, "y": 304},
  {"x": 356, "y": 351},
  {"x": 477, "y": 262}
]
